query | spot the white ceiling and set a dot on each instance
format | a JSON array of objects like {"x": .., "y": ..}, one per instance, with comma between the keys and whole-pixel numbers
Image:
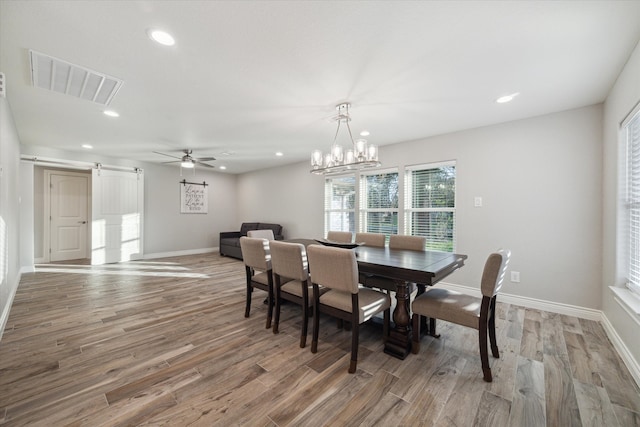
[{"x": 254, "y": 77}]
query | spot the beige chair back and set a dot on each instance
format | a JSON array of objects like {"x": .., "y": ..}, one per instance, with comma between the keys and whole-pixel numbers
[
  {"x": 371, "y": 239},
  {"x": 413, "y": 243},
  {"x": 494, "y": 272},
  {"x": 289, "y": 260},
  {"x": 255, "y": 253},
  {"x": 333, "y": 268},
  {"x": 262, "y": 234},
  {"x": 340, "y": 236}
]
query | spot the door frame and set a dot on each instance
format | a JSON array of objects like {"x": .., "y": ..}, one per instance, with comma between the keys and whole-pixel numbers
[{"x": 46, "y": 230}]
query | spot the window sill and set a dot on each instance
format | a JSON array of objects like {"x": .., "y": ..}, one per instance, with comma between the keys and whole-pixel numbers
[{"x": 628, "y": 300}]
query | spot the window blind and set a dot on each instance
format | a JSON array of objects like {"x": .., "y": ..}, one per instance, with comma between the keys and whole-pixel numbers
[
  {"x": 379, "y": 202},
  {"x": 339, "y": 204},
  {"x": 632, "y": 130},
  {"x": 430, "y": 204}
]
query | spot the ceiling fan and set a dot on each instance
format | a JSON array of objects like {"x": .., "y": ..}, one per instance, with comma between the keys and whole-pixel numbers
[{"x": 188, "y": 161}]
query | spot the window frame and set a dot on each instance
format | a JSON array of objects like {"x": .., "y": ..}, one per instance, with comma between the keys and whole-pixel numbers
[
  {"x": 363, "y": 211},
  {"x": 409, "y": 197},
  {"x": 631, "y": 200},
  {"x": 328, "y": 209}
]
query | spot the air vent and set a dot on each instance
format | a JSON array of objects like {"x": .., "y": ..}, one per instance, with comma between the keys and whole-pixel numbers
[
  {"x": 3, "y": 86},
  {"x": 61, "y": 76}
]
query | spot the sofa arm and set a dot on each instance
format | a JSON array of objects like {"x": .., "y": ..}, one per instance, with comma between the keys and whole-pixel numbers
[{"x": 229, "y": 234}]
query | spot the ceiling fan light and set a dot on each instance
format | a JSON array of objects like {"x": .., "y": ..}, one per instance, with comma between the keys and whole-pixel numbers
[{"x": 189, "y": 164}]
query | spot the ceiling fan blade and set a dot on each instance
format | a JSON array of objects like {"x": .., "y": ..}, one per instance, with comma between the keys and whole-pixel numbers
[
  {"x": 204, "y": 159},
  {"x": 173, "y": 161},
  {"x": 168, "y": 155},
  {"x": 204, "y": 164}
]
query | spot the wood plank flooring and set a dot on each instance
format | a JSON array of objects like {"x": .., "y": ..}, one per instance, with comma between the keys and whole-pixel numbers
[{"x": 165, "y": 342}]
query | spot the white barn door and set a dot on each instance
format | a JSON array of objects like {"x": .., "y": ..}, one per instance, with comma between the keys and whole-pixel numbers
[{"x": 117, "y": 216}]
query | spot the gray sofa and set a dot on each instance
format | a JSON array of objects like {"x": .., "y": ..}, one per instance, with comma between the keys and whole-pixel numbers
[{"x": 230, "y": 240}]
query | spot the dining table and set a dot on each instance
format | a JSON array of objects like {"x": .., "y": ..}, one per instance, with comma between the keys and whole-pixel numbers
[{"x": 397, "y": 270}]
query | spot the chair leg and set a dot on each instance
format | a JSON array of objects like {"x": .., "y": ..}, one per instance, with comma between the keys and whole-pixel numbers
[
  {"x": 415, "y": 345},
  {"x": 492, "y": 329},
  {"x": 247, "y": 308},
  {"x": 316, "y": 326},
  {"x": 385, "y": 325},
  {"x": 270, "y": 310},
  {"x": 355, "y": 335},
  {"x": 484, "y": 354},
  {"x": 432, "y": 327},
  {"x": 305, "y": 322},
  {"x": 276, "y": 320}
]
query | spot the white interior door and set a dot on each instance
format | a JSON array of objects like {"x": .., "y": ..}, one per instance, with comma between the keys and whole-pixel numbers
[
  {"x": 117, "y": 216},
  {"x": 68, "y": 220}
]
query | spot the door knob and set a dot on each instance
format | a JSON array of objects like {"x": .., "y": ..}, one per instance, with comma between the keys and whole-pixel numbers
[{"x": 82, "y": 222}]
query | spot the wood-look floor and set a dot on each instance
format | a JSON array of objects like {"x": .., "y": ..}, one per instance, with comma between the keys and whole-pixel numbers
[{"x": 165, "y": 342}]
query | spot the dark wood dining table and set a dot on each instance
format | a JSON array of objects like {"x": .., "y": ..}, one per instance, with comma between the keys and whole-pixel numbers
[{"x": 402, "y": 268}]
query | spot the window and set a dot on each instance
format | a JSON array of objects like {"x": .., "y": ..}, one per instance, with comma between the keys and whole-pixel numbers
[
  {"x": 339, "y": 204},
  {"x": 430, "y": 204},
  {"x": 631, "y": 133},
  {"x": 379, "y": 202}
]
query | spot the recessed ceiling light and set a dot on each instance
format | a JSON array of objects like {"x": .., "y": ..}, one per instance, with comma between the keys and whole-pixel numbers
[
  {"x": 87, "y": 146},
  {"x": 507, "y": 98},
  {"x": 279, "y": 154},
  {"x": 111, "y": 113},
  {"x": 365, "y": 133},
  {"x": 223, "y": 167},
  {"x": 161, "y": 37}
]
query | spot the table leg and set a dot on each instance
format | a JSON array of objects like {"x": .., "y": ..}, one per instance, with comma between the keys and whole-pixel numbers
[{"x": 399, "y": 342}]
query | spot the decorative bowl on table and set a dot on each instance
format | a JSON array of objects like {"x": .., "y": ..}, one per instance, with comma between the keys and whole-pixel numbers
[{"x": 338, "y": 244}]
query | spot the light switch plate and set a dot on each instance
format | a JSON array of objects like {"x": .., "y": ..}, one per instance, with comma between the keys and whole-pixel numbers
[{"x": 477, "y": 202}]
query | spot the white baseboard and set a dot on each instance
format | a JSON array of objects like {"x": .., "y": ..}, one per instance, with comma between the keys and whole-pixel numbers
[
  {"x": 621, "y": 348},
  {"x": 180, "y": 253},
  {"x": 566, "y": 309},
  {"x": 27, "y": 269},
  {"x": 4, "y": 316}
]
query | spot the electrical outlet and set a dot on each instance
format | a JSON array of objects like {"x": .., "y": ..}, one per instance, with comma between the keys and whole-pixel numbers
[
  {"x": 477, "y": 202},
  {"x": 515, "y": 276}
]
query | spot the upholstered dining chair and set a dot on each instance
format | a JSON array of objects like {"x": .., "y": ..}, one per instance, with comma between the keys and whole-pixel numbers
[
  {"x": 466, "y": 310},
  {"x": 262, "y": 234},
  {"x": 340, "y": 236},
  {"x": 397, "y": 241},
  {"x": 257, "y": 261},
  {"x": 371, "y": 239},
  {"x": 413, "y": 243},
  {"x": 337, "y": 270},
  {"x": 291, "y": 281}
]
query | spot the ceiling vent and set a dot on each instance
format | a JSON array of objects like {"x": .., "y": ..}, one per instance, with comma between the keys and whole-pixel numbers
[
  {"x": 3, "y": 86},
  {"x": 60, "y": 76}
]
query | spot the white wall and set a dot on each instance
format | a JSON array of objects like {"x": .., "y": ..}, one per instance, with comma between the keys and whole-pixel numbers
[
  {"x": 9, "y": 211},
  {"x": 540, "y": 180},
  {"x": 621, "y": 100},
  {"x": 289, "y": 196}
]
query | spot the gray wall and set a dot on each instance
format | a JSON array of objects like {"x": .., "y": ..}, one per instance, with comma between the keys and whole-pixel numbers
[
  {"x": 9, "y": 211},
  {"x": 540, "y": 180}
]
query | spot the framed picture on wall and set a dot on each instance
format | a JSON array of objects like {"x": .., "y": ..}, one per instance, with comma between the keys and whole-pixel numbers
[{"x": 193, "y": 198}]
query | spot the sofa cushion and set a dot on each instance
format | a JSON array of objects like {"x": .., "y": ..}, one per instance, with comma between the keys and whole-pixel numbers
[
  {"x": 246, "y": 226},
  {"x": 277, "y": 228}
]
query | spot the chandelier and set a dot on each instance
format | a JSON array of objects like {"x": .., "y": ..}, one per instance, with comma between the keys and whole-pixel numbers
[{"x": 361, "y": 155}]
